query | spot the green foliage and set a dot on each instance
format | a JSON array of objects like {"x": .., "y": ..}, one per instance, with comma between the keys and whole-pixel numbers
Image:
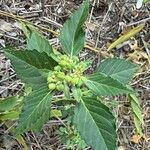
[
  {"x": 38, "y": 42},
  {"x": 96, "y": 124},
  {"x": 68, "y": 71},
  {"x": 48, "y": 73},
  {"x": 36, "y": 110},
  {"x": 118, "y": 69},
  {"x": 41, "y": 60},
  {"x": 77, "y": 93},
  {"x": 11, "y": 115},
  {"x": 72, "y": 35},
  {"x": 71, "y": 138},
  {"x": 103, "y": 85},
  {"x": 25, "y": 71},
  {"x": 137, "y": 115},
  {"x": 10, "y": 108},
  {"x": 146, "y": 1},
  {"x": 7, "y": 104},
  {"x": 126, "y": 36},
  {"x": 139, "y": 3}
]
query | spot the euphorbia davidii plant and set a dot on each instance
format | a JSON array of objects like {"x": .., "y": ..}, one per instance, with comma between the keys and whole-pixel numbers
[{"x": 50, "y": 73}]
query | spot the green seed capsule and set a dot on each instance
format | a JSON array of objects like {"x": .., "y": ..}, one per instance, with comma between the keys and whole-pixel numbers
[
  {"x": 63, "y": 63},
  {"x": 70, "y": 66},
  {"x": 57, "y": 68},
  {"x": 50, "y": 79},
  {"x": 68, "y": 78},
  {"x": 60, "y": 87},
  {"x": 61, "y": 75},
  {"x": 75, "y": 80},
  {"x": 51, "y": 86},
  {"x": 65, "y": 57},
  {"x": 54, "y": 76}
]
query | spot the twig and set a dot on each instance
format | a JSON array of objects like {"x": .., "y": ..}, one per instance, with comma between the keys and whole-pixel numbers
[
  {"x": 145, "y": 45},
  {"x": 3, "y": 80},
  {"x": 138, "y": 22},
  {"x": 9, "y": 87},
  {"x": 47, "y": 20},
  {"x": 100, "y": 27},
  {"x": 11, "y": 37},
  {"x": 38, "y": 145},
  {"x": 60, "y": 119},
  {"x": 91, "y": 48},
  {"x": 92, "y": 11}
]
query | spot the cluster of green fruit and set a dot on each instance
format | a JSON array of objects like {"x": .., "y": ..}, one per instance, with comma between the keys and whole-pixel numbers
[{"x": 68, "y": 71}]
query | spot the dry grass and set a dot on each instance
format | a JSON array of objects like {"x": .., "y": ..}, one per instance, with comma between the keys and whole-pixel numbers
[{"x": 108, "y": 19}]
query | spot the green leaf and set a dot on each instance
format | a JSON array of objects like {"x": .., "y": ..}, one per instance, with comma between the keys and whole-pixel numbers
[
  {"x": 126, "y": 36},
  {"x": 66, "y": 91},
  {"x": 25, "y": 29},
  {"x": 25, "y": 71},
  {"x": 135, "y": 106},
  {"x": 138, "y": 125},
  {"x": 19, "y": 138},
  {"x": 56, "y": 113},
  {"x": 77, "y": 93},
  {"x": 105, "y": 86},
  {"x": 146, "y": 1},
  {"x": 118, "y": 69},
  {"x": 34, "y": 58},
  {"x": 22, "y": 142},
  {"x": 96, "y": 124},
  {"x": 137, "y": 114},
  {"x": 37, "y": 42},
  {"x": 36, "y": 110},
  {"x": 11, "y": 115},
  {"x": 72, "y": 36},
  {"x": 8, "y": 103}
]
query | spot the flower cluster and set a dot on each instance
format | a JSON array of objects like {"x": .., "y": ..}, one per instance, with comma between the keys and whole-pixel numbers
[{"x": 68, "y": 70}]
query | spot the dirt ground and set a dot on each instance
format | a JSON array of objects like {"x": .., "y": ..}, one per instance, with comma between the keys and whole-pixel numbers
[{"x": 106, "y": 22}]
